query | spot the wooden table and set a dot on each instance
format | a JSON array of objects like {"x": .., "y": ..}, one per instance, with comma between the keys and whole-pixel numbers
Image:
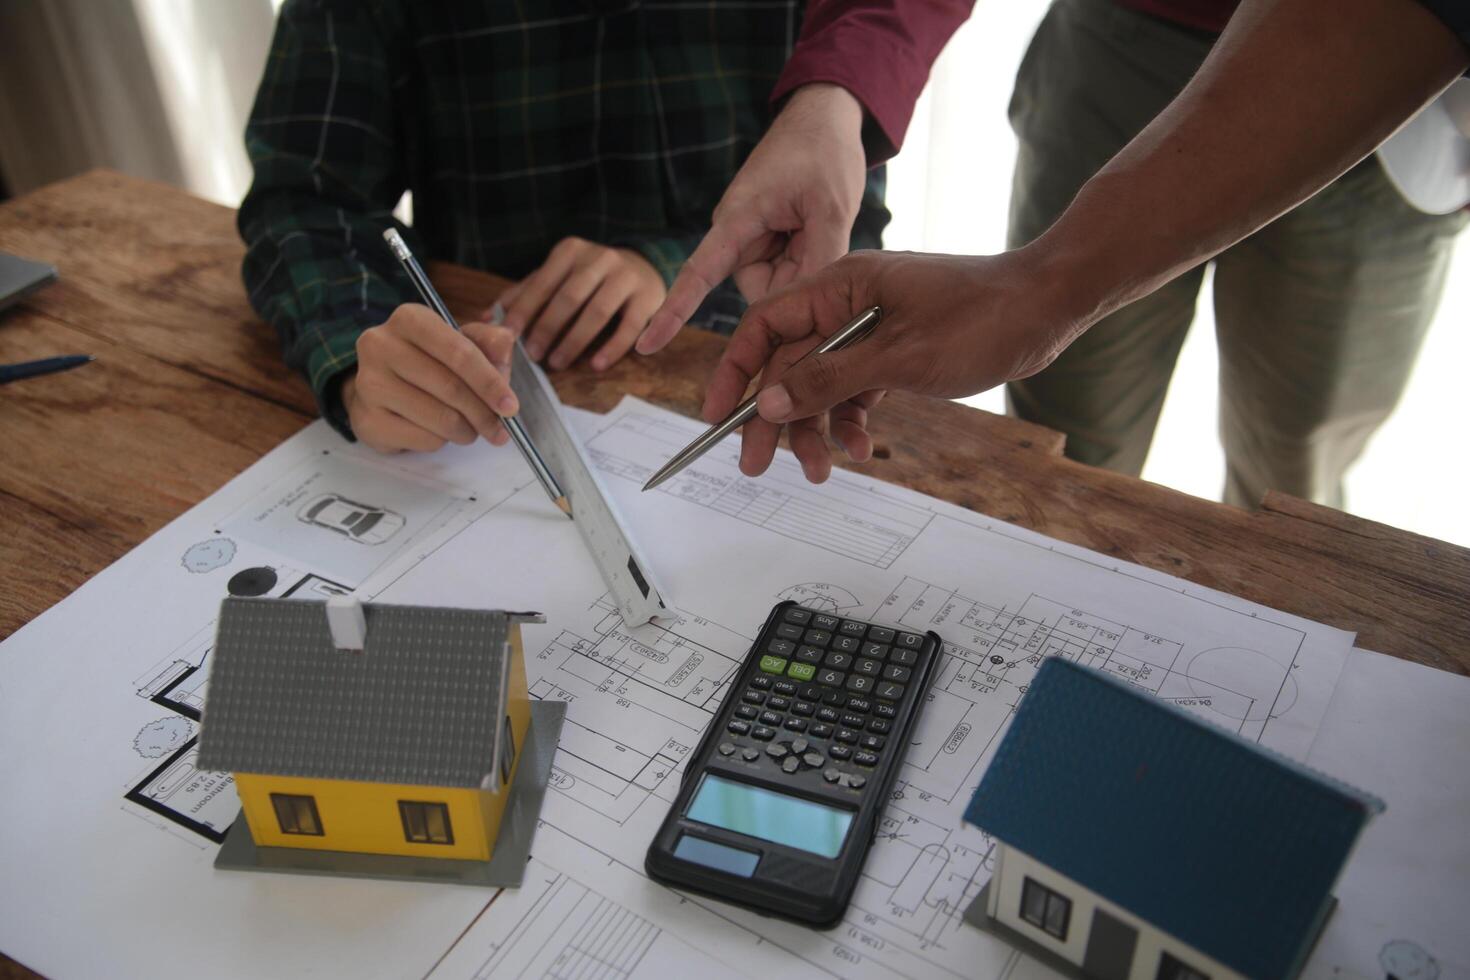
[{"x": 189, "y": 390}]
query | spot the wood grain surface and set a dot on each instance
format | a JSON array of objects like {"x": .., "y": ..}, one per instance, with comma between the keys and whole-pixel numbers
[{"x": 189, "y": 389}]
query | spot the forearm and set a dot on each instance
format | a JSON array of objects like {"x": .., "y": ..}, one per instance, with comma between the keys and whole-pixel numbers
[{"x": 1289, "y": 99}]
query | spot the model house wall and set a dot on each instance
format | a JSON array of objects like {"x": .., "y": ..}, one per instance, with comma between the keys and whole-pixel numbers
[{"x": 1008, "y": 882}]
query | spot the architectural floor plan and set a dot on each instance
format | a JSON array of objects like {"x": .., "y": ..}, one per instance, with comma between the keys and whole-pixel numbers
[{"x": 468, "y": 526}]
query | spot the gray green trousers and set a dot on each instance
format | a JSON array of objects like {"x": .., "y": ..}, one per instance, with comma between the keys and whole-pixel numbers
[{"x": 1319, "y": 316}]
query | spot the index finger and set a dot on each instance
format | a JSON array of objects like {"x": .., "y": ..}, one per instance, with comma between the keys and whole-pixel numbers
[
  {"x": 716, "y": 257},
  {"x": 465, "y": 358},
  {"x": 799, "y": 315}
]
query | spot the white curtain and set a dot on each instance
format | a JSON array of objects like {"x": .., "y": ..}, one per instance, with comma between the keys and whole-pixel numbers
[{"x": 154, "y": 88}]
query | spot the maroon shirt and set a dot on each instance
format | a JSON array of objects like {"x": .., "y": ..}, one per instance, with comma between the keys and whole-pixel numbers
[{"x": 880, "y": 51}]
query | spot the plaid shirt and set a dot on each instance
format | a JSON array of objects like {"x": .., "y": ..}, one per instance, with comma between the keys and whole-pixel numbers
[{"x": 514, "y": 125}]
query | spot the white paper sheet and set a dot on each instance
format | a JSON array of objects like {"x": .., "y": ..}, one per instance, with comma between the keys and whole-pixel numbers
[
  {"x": 110, "y": 829},
  {"x": 1401, "y": 731}
]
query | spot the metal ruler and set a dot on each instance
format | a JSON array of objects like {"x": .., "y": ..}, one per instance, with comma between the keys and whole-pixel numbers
[{"x": 624, "y": 570}]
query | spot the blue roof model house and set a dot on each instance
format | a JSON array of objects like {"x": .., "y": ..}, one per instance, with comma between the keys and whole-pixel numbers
[{"x": 1135, "y": 840}]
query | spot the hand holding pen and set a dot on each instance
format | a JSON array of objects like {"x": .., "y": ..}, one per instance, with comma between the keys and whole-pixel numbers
[
  {"x": 496, "y": 393},
  {"x": 419, "y": 385}
]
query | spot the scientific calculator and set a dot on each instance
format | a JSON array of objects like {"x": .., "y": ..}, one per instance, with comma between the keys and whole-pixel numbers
[{"x": 778, "y": 805}]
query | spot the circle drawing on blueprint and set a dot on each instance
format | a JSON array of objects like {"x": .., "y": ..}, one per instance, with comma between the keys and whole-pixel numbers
[
  {"x": 1405, "y": 960},
  {"x": 206, "y": 556},
  {"x": 253, "y": 581},
  {"x": 1240, "y": 683},
  {"x": 820, "y": 596},
  {"x": 158, "y": 738}
]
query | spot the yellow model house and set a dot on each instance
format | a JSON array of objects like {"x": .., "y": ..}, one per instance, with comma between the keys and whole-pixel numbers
[{"x": 367, "y": 729}]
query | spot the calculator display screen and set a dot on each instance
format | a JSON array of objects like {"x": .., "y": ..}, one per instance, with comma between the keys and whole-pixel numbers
[{"x": 771, "y": 816}]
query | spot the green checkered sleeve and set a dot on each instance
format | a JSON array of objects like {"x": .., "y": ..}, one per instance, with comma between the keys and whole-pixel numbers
[{"x": 327, "y": 176}]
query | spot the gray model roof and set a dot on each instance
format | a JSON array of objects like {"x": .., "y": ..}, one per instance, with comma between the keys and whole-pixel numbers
[{"x": 420, "y": 704}]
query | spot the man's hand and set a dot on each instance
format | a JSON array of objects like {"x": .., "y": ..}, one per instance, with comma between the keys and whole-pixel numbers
[
  {"x": 952, "y": 326},
  {"x": 788, "y": 212},
  {"x": 577, "y": 292},
  {"x": 420, "y": 384}
]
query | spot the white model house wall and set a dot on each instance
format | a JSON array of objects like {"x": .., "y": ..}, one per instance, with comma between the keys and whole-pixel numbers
[{"x": 1014, "y": 867}]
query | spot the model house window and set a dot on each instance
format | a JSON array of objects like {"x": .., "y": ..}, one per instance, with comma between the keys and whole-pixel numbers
[
  {"x": 425, "y": 823},
  {"x": 507, "y": 757},
  {"x": 1173, "y": 969},
  {"x": 297, "y": 814},
  {"x": 1045, "y": 909}
]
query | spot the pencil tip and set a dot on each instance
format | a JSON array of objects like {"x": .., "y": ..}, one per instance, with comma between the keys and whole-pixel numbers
[{"x": 565, "y": 506}]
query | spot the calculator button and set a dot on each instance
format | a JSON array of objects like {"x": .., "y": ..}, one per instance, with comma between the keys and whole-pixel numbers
[
  {"x": 880, "y": 725},
  {"x": 889, "y": 690},
  {"x": 824, "y": 622},
  {"x": 838, "y": 661},
  {"x": 840, "y": 752},
  {"x": 754, "y": 697},
  {"x": 802, "y": 672},
  {"x": 853, "y": 628},
  {"x": 784, "y": 687},
  {"x": 738, "y": 727},
  {"x": 750, "y": 755},
  {"x": 778, "y": 703},
  {"x": 902, "y": 657},
  {"x": 831, "y": 775},
  {"x": 846, "y": 735},
  {"x": 727, "y": 748},
  {"x": 796, "y": 724},
  {"x": 821, "y": 730},
  {"x": 803, "y": 708},
  {"x": 846, "y": 644},
  {"x": 853, "y": 780},
  {"x": 832, "y": 678},
  {"x": 809, "y": 654},
  {"x": 860, "y": 705},
  {"x": 853, "y": 721},
  {"x": 789, "y": 631},
  {"x": 877, "y": 651},
  {"x": 746, "y": 711},
  {"x": 818, "y": 638},
  {"x": 796, "y": 614},
  {"x": 761, "y": 681},
  {"x": 835, "y": 698},
  {"x": 865, "y": 759},
  {"x": 812, "y": 759},
  {"x": 780, "y": 648},
  {"x": 912, "y": 641},
  {"x": 773, "y": 665},
  {"x": 885, "y": 710},
  {"x": 893, "y": 672},
  {"x": 800, "y": 745},
  {"x": 870, "y": 668},
  {"x": 791, "y": 764},
  {"x": 880, "y": 634},
  {"x": 762, "y": 732},
  {"x": 812, "y": 692},
  {"x": 874, "y": 742},
  {"x": 825, "y": 713},
  {"x": 858, "y": 684},
  {"x": 770, "y": 718},
  {"x": 776, "y": 750}
]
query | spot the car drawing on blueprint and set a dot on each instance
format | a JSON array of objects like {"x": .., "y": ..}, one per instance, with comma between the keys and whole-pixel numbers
[{"x": 359, "y": 522}]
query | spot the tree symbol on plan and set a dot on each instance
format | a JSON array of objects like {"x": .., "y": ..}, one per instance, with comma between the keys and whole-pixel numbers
[{"x": 821, "y": 596}]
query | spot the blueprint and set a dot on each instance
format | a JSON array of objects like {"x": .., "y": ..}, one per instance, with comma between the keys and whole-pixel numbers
[{"x": 129, "y": 655}]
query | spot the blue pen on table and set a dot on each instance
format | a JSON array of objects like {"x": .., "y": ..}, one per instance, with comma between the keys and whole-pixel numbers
[{"x": 48, "y": 365}]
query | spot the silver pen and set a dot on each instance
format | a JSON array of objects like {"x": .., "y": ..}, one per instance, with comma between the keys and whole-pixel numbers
[
  {"x": 512, "y": 425},
  {"x": 856, "y": 329}
]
